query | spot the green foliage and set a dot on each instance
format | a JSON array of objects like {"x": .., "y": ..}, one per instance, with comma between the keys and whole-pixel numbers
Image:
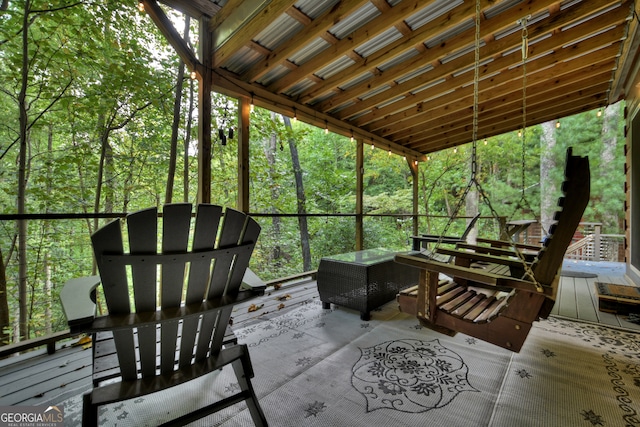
[{"x": 113, "y": 81}]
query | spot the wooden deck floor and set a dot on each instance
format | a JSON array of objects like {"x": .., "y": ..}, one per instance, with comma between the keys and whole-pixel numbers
[{"x": 36, "y": 378}]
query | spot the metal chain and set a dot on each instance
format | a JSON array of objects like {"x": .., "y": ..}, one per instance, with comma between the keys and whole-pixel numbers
[
  {"x": 525, "y": 54},
  {"x": 473, "y": 180}
]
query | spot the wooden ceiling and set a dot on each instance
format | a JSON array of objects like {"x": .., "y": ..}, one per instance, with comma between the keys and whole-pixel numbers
[{"x": 400, "y": 74}]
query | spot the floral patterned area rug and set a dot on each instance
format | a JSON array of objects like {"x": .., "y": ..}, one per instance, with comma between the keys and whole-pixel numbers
[{"x": 316, "y": 367}]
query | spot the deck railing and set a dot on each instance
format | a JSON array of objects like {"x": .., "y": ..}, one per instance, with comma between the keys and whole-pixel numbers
[{"x": 64, "y": 237}]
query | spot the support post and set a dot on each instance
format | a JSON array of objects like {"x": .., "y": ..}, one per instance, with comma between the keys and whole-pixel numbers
[
  {"x": 413, "y": 166},
  {"x": 359, "y": 191},
  {"x": 205, "y": 84},
  {"x": 244, "y": 120}
]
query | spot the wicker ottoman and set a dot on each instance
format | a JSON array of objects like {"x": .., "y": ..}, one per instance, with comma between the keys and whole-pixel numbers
[{"x": 363, "y": 280}]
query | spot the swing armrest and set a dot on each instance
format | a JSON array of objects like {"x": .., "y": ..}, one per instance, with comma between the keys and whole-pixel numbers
[
  {"x": 470, "y": 257},
  {"x": 478, "y": 277},
  {"x": 501, "y": 252},
  {"x": 507, "y": 244}
]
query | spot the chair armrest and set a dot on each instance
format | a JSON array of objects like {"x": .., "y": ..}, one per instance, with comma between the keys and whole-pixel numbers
[
  {"x": 479, "y": 277},
  {"x": 78, "y": 301},
  {"x": 252, "y": 282}
]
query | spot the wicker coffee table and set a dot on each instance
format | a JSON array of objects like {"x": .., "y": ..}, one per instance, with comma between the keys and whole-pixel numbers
[{"x": 363, "y": 280}]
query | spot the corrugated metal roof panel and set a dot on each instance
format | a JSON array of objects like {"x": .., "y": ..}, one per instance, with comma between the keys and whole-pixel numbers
[
  {"x": 244, "y": 59},
  {"x": 299, "y": 87},
  {"x": 450, "y": 33},
  {"x": 414, "y": 73},
  {"x": 354, "y": 21},
  {"x": 399, "y": 59},
  {"x": 309, "y": 51},
  {"x": 375, "y": 92},
  {"x": 314, "y": 8},
  {"x": 431, "y": 12},
  {"x": 279, "y": 31},
  {"x": 274, "y": 74},
  {"x": 359, "y": 79},
  {"x": 378, "y": 42},
  {"x": 335, "y": 67}
]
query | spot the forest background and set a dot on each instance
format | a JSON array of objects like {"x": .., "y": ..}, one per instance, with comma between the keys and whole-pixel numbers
[{"x": 97, "y": 116}]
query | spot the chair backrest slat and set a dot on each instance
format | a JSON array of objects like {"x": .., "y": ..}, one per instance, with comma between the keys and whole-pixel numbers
[
  {"x": 232, "y": 227},
  {"x": 142, "y": 228},
  {"x": 205, "y": 232},
  {"x": 176, "y": 222}
]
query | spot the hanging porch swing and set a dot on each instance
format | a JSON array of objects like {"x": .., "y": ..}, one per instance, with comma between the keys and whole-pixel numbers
[{"x": 495, "y": 294}]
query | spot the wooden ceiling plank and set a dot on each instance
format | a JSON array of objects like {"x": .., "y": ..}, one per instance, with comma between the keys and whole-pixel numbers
[
  {"x": 317, "y": 27},
  {"x": 593, "y": 62},
  {"x": 246, "y": 30},
  {"x": 228, "y": 84},
  {"x": 417, "y": 38},
  {"x": 375, "y": 27},
  {"x": 487, "y": 29},
  {"x": 628, "y": 57},
  {"x": 572, "y": 90},
  {"x": 504, "y": 127},
  {"x": 492, "y": 86},
  {"x": 489, "y": 50}
]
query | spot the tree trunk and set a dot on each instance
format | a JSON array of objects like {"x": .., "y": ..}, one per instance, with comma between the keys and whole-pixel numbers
[
  {"x": 187, "y": 141},
  {"x": 176, "y": 122},
  {"x": 5, "y": 336},
  {"x": 548, "y": 188},
  {"x": 22, "y": 179},
  {"x": 300, "y": 198},
  {"x": 472, "y": 205},
  {"x": 609, "y": 134},
  {"x": 269, "y": 152}
]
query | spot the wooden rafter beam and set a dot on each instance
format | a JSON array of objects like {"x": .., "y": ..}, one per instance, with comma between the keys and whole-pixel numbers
[
  {"x": 447, "y": 70},
  {"x": 549, "y": 110},
  {"x": 239, "y": 21},
  {"x": 228, "y": 84},
  {"x": 194, "y": 8},
  {"x": 167, "y": 29},
  {"x": 425, "y": 122},
  {"x": 378, "y": 25},
  {"x": 315, "y": 29},
  {"x": 460, "y": 97}
]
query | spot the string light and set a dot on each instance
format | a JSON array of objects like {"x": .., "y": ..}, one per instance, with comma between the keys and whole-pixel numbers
[
  {"x": 351, "y": 135},
  {"x": 485, "y": 141},
  {"x": 599, "y": 113},
  {"x": 141, "y": 6},
  {"x": 558, "y": 124},
  {"x": 428, "y": 158},
  {"x": 251, "y": 105},
  {"x": 193, "y": 75},
  {"x": 295, "y": 115},
  {"x": 415, "y": 162},
  {"x": 455, "y": 150},
  {"x": 326, "y": 127},
  {"x": 389, "y": 152},
  {"x": 519, "y": 134},
  {"x": 372, "y": 146}
]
